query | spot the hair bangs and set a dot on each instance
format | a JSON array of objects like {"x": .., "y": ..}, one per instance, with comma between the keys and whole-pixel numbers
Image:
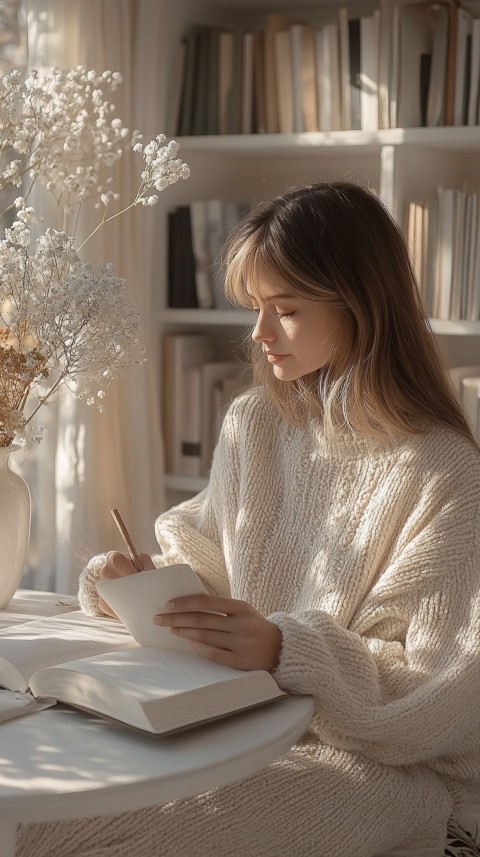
[{"x": 261, "y": 249}]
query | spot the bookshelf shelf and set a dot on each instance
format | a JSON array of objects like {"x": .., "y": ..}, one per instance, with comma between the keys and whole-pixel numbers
[
  {"x": 207, "y": 317},
  {"x": 448, "y": 327},
  {"x": 244, "y": 145}
]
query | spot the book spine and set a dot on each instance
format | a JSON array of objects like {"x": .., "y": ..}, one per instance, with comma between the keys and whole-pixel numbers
[
  {"x": 198, "y": 213},
  {"x": 181, "y": 265},
  {"x": 384, "y": 58},
  {"x": 309, "y": 83},
  {"x": 297, "y": 83},
  {"x": 201, "y": 92},
  {"x": 271, "y": 74},
  {"x": 369, "y": 72},
  {"x": 185, "y": 124},
  {"x": 474, "y": 294},
  {"x": 345, "y": 67},
  {"x": 191, "y": 437},
  {"x": 443, "y": 284},
  {"x": 181, "y": 354},
  {"x": 176, "y": 92},
  {"x": 430, "y": 253},
  {"x": 457, "y": 254},
  {"x": 462, "y": 66},
  {"x": 225, "y": 80},
  {"x": 216, "y": 236},
  {"x": 247, "y": 83},
  {"x": 472, "y": 111},
  {"x": 213, "y": 81},
  {"x": 259, "y": 101},
  {"x": 284, "y": 81},
  {"x": 355, "y": 81}
]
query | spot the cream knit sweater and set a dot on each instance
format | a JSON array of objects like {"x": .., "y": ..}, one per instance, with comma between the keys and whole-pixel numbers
[{"x": 368, "y": 560}]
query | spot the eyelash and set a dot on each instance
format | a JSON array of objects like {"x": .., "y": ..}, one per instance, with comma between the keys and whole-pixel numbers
[{"x": 276, "y": 314}]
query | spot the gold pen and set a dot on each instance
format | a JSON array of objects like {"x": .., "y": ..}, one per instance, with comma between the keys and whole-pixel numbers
[{"x": 132, "y": 552}]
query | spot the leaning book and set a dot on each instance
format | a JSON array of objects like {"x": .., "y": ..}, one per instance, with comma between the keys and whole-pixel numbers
[{"x": 130, "y": 671}]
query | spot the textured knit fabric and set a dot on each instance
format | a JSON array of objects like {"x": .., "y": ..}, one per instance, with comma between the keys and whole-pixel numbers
[{"x": 368, "y": 560}]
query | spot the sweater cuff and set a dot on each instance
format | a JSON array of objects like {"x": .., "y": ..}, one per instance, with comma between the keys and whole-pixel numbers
[
  {"x": 87, "y": 590},
  {"x": 292, "y": 672}
]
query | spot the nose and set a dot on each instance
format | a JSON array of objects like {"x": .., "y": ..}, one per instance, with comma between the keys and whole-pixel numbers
[{"x": 264, "y": 330}]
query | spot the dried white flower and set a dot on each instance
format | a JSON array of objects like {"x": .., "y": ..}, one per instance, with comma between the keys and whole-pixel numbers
[{"x": 62, "y": 322}]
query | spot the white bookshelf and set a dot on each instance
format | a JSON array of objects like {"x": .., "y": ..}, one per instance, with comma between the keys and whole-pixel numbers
[
  {"x": 398, "y": 163},
  {"x": 206, "y": 317}
]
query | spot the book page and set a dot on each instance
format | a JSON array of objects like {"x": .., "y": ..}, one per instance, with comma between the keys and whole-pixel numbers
[
  {"x": 155, "y": 689},
  {"x": 149, "y": 673},
  {"x": 41, "y": 643},
  {"x": 136, "y": 599},
  {"x": 13, "y": 704}
]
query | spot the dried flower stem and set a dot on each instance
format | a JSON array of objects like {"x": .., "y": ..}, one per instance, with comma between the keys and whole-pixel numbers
[{"x": 63, "y": 322}]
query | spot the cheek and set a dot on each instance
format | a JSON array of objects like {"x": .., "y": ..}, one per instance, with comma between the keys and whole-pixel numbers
[
  {"x": 329, "y": 332},
  {"x": 319, "y": 345}
]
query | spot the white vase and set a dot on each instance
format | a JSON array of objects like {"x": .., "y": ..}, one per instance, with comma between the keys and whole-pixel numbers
[{"x": 14, "y": 526}]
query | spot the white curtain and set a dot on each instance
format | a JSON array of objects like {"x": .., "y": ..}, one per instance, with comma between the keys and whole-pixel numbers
[{"x": 91, "y": 462}]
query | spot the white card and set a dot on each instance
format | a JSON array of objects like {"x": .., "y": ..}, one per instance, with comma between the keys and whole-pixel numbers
[{"x": 137, "y": 598}]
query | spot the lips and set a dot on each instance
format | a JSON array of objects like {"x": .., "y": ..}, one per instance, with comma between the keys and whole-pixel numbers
[{"x": 275, "y": 358}]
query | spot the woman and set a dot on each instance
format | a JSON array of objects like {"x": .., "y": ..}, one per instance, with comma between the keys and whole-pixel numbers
[{"x": 339, "y": 539}]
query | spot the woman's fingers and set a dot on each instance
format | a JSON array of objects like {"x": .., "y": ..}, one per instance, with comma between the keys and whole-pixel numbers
[
  {"x": 217, "y": 639},
  {"x": 106, "y": 609},
  {"x": 116, "y": 565},
  {"x": 226, "y": 631},
  {"x": 119, "y": 565},
  {"x": 220, "y": 656},
  {"x": 210, "y": 603},
  {"x": 213, "y": 621}
]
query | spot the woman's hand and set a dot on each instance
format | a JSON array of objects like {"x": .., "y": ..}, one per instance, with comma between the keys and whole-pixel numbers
[
  {"x": 233, "y": 633},
  {"x": 119, "y": 565}
]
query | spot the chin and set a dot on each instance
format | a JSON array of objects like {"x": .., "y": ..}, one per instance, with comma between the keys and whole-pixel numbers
[{"x": 283, "y": 375}]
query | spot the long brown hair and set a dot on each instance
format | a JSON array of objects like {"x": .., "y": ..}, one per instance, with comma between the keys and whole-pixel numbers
[{"x": 337, "y": 242}]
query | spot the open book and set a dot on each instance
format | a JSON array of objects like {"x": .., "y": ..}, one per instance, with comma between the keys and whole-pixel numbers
[{"x": 136, "y": 672}]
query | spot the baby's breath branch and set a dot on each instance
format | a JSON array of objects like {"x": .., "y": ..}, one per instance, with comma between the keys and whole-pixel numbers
[
  {"x": 62, "y": 322},
  {"x": 46, "y": 396},
  {"x": 103, "y": 221}
]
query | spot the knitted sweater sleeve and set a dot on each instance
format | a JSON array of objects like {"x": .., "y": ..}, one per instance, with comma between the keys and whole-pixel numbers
[
  {"x": 187, "y": 533},
  {"x": 401, "y": 699}
]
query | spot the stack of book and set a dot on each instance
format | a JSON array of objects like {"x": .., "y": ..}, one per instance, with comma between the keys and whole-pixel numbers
[
  {"x": 196, "y": 236},
  {"x": 197, "y": 390},
  {"x": 444, "y": 240},
  {"x": 403, "y": 65}
]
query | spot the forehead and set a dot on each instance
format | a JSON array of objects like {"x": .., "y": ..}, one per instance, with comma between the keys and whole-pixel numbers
[{"x": 267, "y": 286}]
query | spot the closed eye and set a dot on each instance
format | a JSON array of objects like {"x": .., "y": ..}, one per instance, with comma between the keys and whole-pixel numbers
[
  {"x": 283, "y": 314},
  {"x": 274, "y": 313}
]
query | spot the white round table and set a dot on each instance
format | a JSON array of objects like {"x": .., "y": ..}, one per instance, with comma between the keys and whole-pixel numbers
[{"x": 61, "y": 763}]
